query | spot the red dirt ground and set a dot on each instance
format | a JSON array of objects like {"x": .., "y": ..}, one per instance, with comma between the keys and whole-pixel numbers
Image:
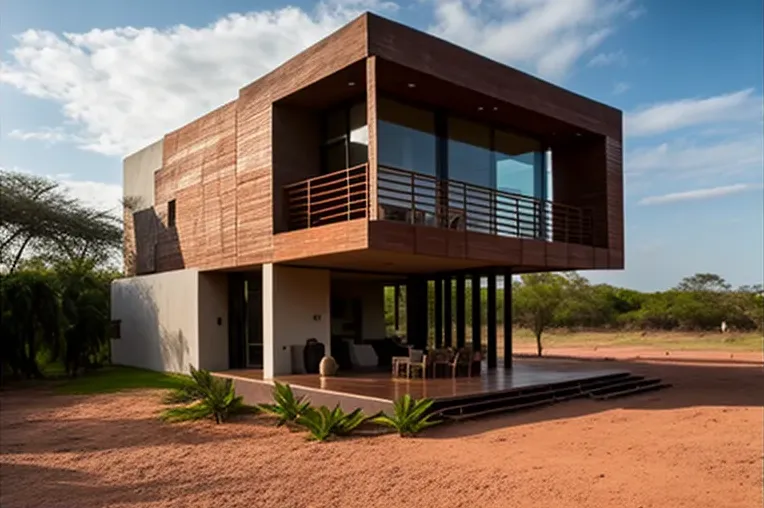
[{"x": 698, "y": 444}]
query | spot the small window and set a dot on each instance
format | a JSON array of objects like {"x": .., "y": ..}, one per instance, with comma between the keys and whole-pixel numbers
[
  {"x": 116, "y": 329},
  {"x": 171, "y": 214}
]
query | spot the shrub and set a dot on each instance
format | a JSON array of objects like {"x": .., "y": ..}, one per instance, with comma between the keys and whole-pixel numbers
[
  {"x": 286, "y": 406},
  {"x": 323, "y": 423},
  {"x": 409, "y": 416},
  {"x": 215, "y": 398}
]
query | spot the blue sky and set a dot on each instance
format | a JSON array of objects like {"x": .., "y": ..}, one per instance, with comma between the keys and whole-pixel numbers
[{"x": 84, "y": 82}]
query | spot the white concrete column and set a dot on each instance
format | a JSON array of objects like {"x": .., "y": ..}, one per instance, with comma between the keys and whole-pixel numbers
[{"x": 295, "y": 309}]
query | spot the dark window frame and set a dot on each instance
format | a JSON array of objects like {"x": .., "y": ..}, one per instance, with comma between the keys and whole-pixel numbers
[{"x": 171, "y": 213}]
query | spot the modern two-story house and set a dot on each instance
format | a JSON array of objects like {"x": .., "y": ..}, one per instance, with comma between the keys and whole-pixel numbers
[{"x": 379, "y": 156}]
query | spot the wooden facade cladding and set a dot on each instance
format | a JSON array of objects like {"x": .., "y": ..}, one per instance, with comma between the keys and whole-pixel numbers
[{"x": 227, "y": 170}]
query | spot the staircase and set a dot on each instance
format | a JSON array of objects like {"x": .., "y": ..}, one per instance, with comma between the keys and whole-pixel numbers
[{"x": 600, "y": 388}]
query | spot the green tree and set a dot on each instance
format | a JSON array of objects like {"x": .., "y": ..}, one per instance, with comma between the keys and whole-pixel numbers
[
  {"x": 703, "y": 282},
  {"x": 37, "y": 215},
  {"x": 536, "y": 300}
]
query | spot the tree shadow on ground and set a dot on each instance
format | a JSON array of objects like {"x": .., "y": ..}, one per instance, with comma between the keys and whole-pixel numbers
[
  {"x": 43, "y": 423},
  {"x": 35, "y": 485},
  {"x": 693, "y": 385}
]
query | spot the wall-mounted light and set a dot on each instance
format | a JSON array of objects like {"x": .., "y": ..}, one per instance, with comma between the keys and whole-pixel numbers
[
  {"x": 495, "y": 108},
  {"x": 412, "y": 85},
  {"x": 351, "y": 83},
  {"x": 480, "y": 108}
]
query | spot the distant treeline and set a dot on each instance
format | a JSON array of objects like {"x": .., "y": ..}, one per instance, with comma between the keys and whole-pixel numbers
[{"x": 540, "y": 301}]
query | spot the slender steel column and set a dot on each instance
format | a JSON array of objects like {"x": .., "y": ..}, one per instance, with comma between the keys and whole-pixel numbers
[
  {"x": 397, "y": 311},
  {"x": 476, "y": 342},
  {"x": 448, "y": 317},
  {"x": 438, "y": 300},
  {"x": 491, "y": 320},
  {"x": 508, "y": 318},
  {"x": 461, "y": 318}
]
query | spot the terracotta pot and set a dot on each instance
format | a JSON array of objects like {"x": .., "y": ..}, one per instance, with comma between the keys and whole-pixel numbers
[{"x": 327, "y": 367}]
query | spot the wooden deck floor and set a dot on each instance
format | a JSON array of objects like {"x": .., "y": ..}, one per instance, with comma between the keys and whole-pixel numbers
[{"x": 381, "y": 386}]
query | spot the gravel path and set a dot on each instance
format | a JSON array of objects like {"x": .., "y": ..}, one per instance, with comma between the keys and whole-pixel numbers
[{"x": 698, "y": 444}]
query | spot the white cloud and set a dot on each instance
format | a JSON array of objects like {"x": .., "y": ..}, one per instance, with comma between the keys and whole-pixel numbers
[
  {"x": 123, "y": 88},
  {"x": 668, "y": 116},
  {"x": 99, "y": 195},
  {"x": 46, "y": 134},
  {"x": 682, "y": 158},
  {"x": 698, "y": 194},
  {"x": 547, "y": 36},
  {"x": 604, "y": 59},
  {"x": 620, "y": 88}
]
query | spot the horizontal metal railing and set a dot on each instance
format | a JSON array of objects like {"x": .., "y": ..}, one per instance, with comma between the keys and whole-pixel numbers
[
  {"x": 416, "y": 198},
  {"x": 423, "y": 199},
  {"x": 325, "y": 199}
]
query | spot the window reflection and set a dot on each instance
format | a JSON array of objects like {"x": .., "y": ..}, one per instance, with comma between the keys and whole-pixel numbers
[
  {"x": 485, "y": 158},
  {"x": 406, "y": 141},
  {"x": 406, "y": 137},
  {"x": 346, "y": 138}
]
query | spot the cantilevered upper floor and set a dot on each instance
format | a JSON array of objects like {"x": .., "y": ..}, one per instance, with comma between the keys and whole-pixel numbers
[{"x": 384, "y": 149}]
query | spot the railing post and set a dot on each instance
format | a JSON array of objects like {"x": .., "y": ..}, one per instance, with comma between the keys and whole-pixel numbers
[
  {"x": 464, "y": 206},
  {"x": 367, "y": 201},
  {"x": 310, "y": 219},
  {"x": 413, "y": 196}
]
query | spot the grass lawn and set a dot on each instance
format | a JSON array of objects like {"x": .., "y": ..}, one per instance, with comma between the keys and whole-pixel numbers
[
  {"x": 116, "y": 378},
  {"x": 659, "y": 340}
]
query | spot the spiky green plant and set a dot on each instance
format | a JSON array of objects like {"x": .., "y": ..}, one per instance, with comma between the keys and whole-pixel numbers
[
  {"x": 189, "y": 392},
  {"x": 286, "y": 407},
  {"x": 410, "y": 416},
  {"x": 351, "y": 421},
  {"x": 323, "y": 423},
  {"x": 215, "y": 398}
]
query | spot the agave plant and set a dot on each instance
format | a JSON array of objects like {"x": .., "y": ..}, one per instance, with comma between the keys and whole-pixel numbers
[
  {"x": 191, "y": 391},
  {"x": 286, "y": 406},
  {"x": 323, "y": 423},
  {"x": 410, "y": 416},
  {"x": 212, "y": 397}
]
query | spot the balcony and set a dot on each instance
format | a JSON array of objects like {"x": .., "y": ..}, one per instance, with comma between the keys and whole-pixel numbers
[{"x": 419, "y": 199}]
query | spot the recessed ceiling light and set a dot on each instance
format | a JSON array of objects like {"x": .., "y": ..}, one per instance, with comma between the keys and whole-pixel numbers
[
  {"x": 351, "y": 83},
  {"x": 412, "y": 85}
]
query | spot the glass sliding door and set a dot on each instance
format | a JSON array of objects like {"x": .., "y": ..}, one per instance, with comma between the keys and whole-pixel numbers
[
  {"x": 470, "y": 160},
  {"x": 406, "y": 141},
  {"x": 519, "y": 170}
]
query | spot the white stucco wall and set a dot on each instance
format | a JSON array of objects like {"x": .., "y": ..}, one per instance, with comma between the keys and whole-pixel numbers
[
  {"x": 213, "y": 321},
  {"x": 138, "y": 174},
  {"x": 159, "y": 320},
  {"x": 295, "y": 308},
  {"x": 372, "y": 295}
]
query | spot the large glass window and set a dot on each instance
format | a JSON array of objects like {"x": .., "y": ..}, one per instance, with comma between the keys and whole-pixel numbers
[
  {"x": 406, "y": 137},
  {"x": 485, "y": 158},
  {"x": 518, "y": 164},
  {"x": 470, "y": 160},
  {"x": 406, "y": 141},
  {"x": 519, "y": 170},
  {"x": 346, "y": 138}
]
